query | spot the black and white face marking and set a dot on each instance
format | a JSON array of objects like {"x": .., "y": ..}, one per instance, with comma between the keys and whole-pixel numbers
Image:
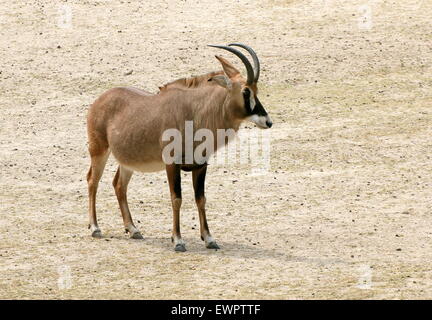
[{"x": 255, "y": 110}]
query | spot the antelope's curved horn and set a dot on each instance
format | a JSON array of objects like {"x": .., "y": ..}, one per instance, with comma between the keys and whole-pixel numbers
[
  {"x": 249, "y": 69},
  {"x": 254, "y": 57}
]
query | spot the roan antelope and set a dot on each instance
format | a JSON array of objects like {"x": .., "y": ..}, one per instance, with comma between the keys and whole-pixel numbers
[{"x": 130, "y": 123}]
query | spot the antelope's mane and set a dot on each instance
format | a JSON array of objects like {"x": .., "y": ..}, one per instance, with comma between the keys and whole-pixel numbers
[{"x": 192, "y": 82}]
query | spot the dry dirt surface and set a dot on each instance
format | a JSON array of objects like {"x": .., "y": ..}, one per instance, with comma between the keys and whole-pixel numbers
[{"x": 344, "y": 212}]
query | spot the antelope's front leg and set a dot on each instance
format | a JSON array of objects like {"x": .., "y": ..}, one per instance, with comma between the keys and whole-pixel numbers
[
  {"x": 198, "y": 177},
  {"x": 173, "y": 173}
]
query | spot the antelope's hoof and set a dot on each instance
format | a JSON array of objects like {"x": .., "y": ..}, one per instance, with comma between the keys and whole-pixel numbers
[
  {"x": 212, "y": 245},
  {"x": 180, "y": 247},
  {"x": 96, "y": 234},
  {"x": 137, "y": 235}
]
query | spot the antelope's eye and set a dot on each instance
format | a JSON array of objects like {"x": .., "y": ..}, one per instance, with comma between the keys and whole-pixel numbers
[{"x": 246, "y": 92}]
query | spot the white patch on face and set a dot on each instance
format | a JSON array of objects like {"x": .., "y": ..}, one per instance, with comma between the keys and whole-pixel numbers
[
  {"x": 252, "y": 102},
  {"x": 260, "y": 121}
]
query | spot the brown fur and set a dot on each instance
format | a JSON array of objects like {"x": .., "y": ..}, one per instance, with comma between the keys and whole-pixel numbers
[
  {"x": 129, "y": 122},
  {"x": 192, "y": 82}
]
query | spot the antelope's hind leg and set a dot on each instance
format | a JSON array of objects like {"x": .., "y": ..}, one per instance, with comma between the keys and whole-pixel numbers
[
  {"x": 94, "y": 174},
  {"x": 198, "y": 178},
  {"x": 120, "y": 183}
]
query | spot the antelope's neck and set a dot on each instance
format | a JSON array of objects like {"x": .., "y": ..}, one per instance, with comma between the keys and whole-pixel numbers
[{"x": 217, "y": 112}]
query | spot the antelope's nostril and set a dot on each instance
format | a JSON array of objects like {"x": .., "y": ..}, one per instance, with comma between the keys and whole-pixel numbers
[{"x": 269, "y": 124}]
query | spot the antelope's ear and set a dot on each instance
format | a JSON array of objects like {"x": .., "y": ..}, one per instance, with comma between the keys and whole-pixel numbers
[
  {"x": 223, "y": 81},
  {"x": 229, "y": 69}
]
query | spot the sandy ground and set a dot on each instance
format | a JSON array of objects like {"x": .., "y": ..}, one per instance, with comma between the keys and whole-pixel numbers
[{"x": 345, "y": 211}]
